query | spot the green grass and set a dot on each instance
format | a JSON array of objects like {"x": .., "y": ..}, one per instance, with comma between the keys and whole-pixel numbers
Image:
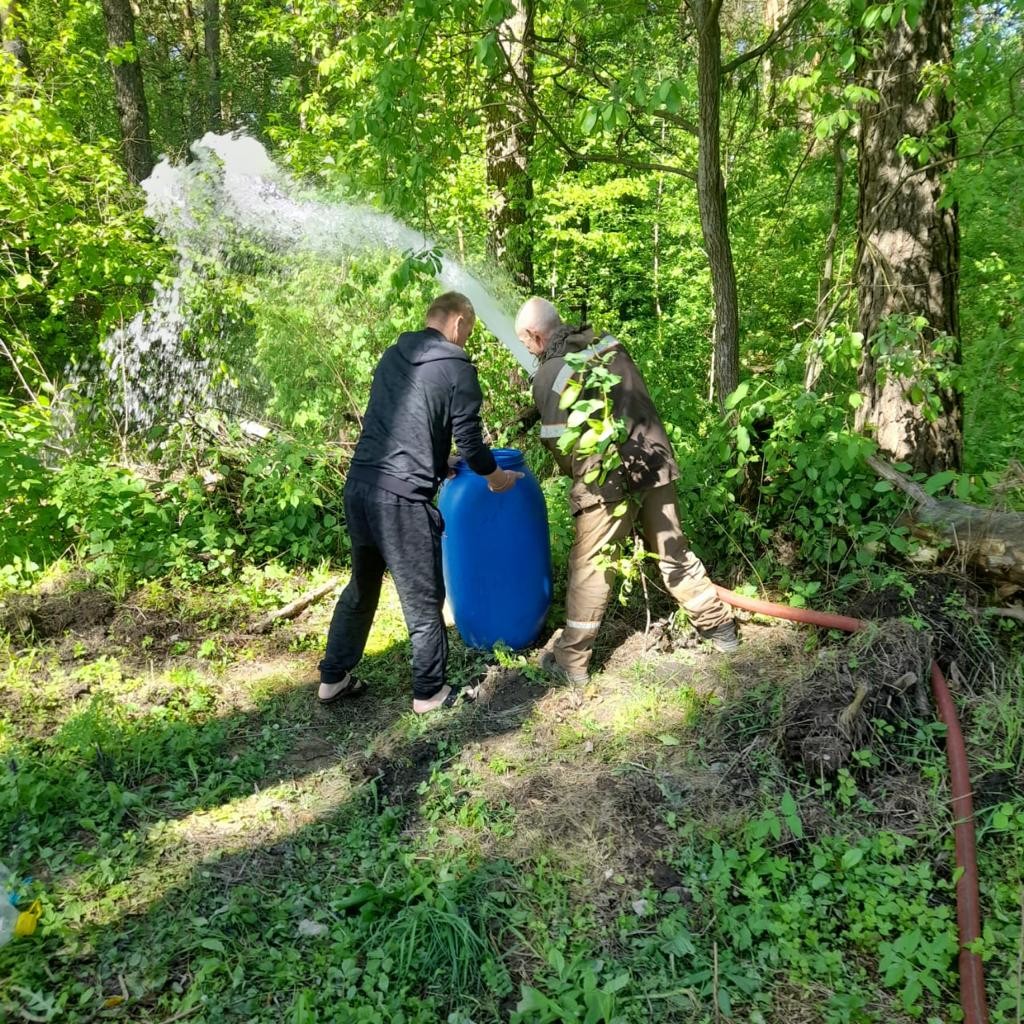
[{"x": 210, "y": 844}]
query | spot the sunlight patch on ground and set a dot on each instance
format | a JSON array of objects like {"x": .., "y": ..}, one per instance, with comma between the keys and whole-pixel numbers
[
  {"x": 177, "y": 848},
  {"x": 388, "y": 624}
]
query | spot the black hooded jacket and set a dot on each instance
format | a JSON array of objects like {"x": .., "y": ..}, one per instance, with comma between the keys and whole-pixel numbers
[{"x": 425, "y": 392}]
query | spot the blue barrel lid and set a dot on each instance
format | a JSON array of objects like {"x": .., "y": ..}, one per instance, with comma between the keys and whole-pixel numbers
[{"x": 506, "y": 458}]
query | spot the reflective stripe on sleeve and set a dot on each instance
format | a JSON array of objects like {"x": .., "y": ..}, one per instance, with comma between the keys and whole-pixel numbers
[
  {"x": 551, "y": 430},
  {"x": 606, "y": 343},
  {"x": 562, "y": 379}
]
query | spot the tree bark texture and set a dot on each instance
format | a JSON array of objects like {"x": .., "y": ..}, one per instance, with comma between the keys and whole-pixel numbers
[
  {"x": 128, "y": 90},
  {"x": 510, "y": 134},
  {"x": 826, "y": 283},
  {"x": 775, "y": 13},
  {"x": 211, "y": 39},
  {"x": 908, "y": 248},
  {"x": 711, "y": 200},
  {"x": 9, "y": 33}
]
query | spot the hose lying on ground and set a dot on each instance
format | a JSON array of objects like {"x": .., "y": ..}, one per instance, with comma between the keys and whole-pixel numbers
[{"x": 968, "y": 903}]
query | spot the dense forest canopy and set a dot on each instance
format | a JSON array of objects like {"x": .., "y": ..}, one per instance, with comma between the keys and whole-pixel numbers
[
  {"x": 804, "y": 220},
  {"x": 811, "y": 203}
]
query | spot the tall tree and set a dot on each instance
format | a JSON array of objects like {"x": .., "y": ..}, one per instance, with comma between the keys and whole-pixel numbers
[
  {"x": 908, "y": 253},
  {"x": 128, "y": 88},
  {"x": 211, "y": 38},
  {"x": 510, "y": 131},
  {"x": 827, "y": 305},
  {"x": 711, "y": 199}
]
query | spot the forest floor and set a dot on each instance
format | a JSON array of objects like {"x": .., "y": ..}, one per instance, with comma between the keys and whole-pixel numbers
[{"x": 690, "y": 837}]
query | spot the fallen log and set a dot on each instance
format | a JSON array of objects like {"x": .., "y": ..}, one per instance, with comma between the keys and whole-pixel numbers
[
  {"x": 989, "y": 539},
  {"x": 295, "y": 608}
]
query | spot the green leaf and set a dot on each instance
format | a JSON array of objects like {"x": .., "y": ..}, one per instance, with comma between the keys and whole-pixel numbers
[
  {"x": 738, "y": 395},
  {"x": 852, "y": 858},
  {"x": 484, "y": 50},
  {"x": 570, "y": 394},
  {"x": 791, "y": 813},
  {"x": 534, "y": 1001},
  {"x": 668, "y": 739},
  {"x": 742, "y": 438},
  {"x": 619, "y": 982},
  {"x": 556, "y": 960},
  {"x": 494, "y": 11},
  {"x": 939, "y": 481},
  {"x": 912, "y": 993},
  {"x": 724, "y": 1002}
]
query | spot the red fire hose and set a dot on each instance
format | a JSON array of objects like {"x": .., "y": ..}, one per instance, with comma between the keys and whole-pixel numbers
[{"x": 968, "y": 903}]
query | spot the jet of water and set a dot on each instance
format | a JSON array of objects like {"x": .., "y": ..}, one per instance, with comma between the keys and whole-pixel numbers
[{"x": 262, "y": 199}]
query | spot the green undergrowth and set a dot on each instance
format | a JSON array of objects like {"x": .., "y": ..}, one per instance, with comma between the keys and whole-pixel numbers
[{"x": 209, "y": 844}]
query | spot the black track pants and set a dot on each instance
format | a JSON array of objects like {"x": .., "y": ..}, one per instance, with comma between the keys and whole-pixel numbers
[{"x": 404, "y": 537}]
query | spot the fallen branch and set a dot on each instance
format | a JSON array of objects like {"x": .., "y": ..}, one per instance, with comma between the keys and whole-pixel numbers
[
  {"x": 297, "y": 607},
  {"x": 989, "y": 539},
  {"x": 1015, "y": 612}
]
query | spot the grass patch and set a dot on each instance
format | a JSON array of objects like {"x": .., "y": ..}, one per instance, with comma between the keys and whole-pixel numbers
[{"x": 210, "y": 844}]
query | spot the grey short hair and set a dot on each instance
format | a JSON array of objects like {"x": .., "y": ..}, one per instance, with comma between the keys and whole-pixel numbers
[{"x": 538, "y": 315}]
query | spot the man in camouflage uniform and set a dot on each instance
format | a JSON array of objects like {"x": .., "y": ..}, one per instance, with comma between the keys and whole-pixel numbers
[{"x": 645, "y": 481}]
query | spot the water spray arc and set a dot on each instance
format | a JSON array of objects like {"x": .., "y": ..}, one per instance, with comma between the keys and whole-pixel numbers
[{"x": 262, "y": 198}]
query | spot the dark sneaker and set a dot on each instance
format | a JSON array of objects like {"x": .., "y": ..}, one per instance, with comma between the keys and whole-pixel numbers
[
  {"x": 723, "y": 637},
  {"x": 549, "y": 665}
]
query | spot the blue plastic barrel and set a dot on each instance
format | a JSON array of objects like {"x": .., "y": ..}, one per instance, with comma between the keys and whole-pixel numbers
[{"x": 497, "y": 556}]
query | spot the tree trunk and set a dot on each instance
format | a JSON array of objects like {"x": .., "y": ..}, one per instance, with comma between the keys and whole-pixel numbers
[
  {"x": 908, "y": 248},
  {"x": 193, "y": 111},
  {"x": 211, "y": 38},
  {"x": 826, "y": 284},
  {"x": 12, "y": 41},
  {"x": 128, "y": 90},
  {"x": 711, "y": 199},
  {"x": 510, "y": 133},
  {"x": 775, "y": 13}
]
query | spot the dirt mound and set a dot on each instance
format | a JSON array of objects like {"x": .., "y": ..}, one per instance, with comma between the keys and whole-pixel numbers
[
  {"x": 507, "y": 691},
  {"x": 946, "y": 604},
  {"x": 613, "y": 823},
  {"x": 45, "y": 616},
  {"x": 880, "y": 675},
  {"x": 397, "y": 777},
  {"x": 151, "y": 633}
]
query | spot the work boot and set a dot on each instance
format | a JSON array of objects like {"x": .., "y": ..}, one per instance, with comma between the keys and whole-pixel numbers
[
  {"x": 549, "y": 665},
  {"x": 723, "y": 637}
]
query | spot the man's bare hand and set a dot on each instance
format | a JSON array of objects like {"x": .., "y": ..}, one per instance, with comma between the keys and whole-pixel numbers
[{"x": 502, "y": 480}]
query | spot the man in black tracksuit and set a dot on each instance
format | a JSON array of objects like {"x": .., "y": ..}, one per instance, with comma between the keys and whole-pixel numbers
[{"x": 425, "y": 392}]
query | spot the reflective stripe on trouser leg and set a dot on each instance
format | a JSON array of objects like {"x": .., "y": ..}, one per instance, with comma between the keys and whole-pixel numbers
[
  {"x": 684, "y": 573},
  {"x": 589, "y": 586}
]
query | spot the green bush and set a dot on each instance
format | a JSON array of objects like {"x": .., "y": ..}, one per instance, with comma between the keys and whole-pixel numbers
[
  {"x": 32, "y": 532},
  {"x": 810, "y": 497},
  {"x": 276, "y": 498}
]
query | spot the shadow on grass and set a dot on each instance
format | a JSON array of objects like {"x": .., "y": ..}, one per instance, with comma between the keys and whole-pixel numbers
[{"x": 114, "y": 796}]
